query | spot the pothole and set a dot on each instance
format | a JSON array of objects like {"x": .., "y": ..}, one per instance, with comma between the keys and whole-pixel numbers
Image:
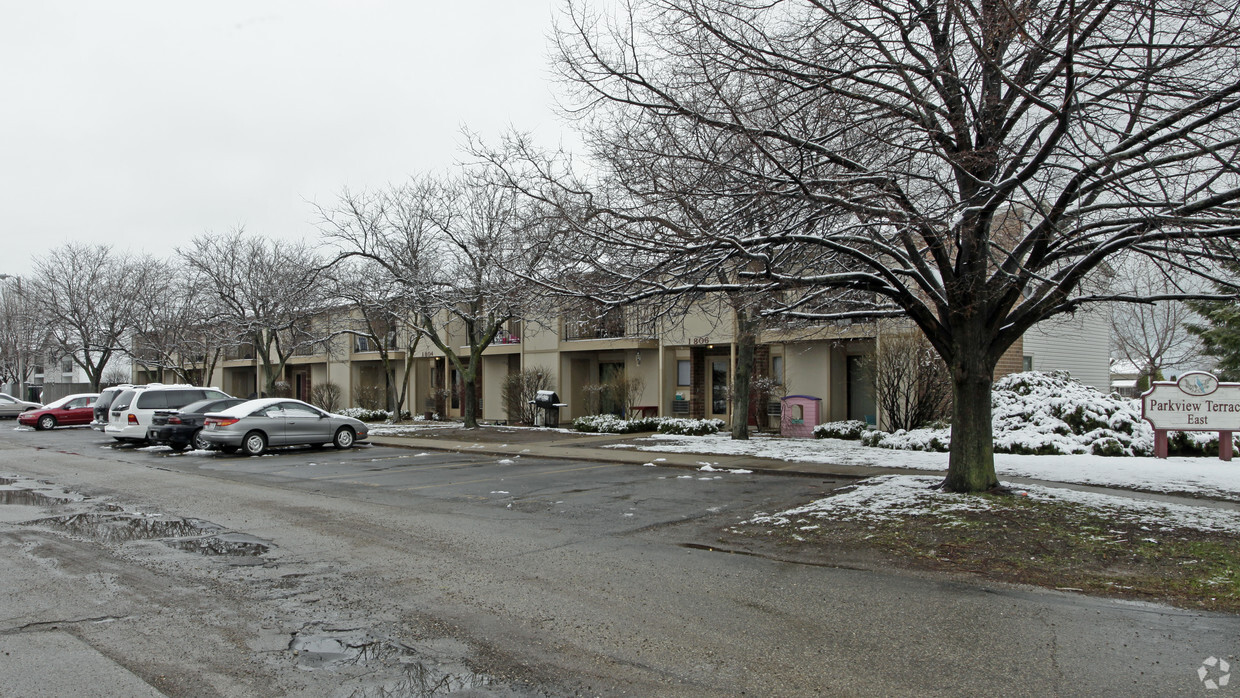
[
  {"x": 236, "y": 544},
  {"x": 29, "y": 498},
  {"x": 391, "y": 668},
  {"x": 191, "y": 535}
]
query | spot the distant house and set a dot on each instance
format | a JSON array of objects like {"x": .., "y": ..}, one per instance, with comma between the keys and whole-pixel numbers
[{"x": 1124, "y": 376}]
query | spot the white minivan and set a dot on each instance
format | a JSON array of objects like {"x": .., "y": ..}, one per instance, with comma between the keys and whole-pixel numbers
[{"x": 130, "y": 413}]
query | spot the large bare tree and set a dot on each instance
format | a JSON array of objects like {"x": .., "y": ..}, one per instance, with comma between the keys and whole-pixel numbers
[
  {"x": 89, "y": 297},
  {"x": 452, "y": 242},
  {"x": 969, "y": 164},
  {"x": 268, "y": 293},
  {"x": 23, "y": 333}
]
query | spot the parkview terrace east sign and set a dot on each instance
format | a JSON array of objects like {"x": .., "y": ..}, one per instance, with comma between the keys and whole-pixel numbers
[{"x": 1195, "y": 402}]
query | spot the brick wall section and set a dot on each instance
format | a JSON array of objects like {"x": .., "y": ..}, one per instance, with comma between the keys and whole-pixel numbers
[{"x": 1012, "y": 361}]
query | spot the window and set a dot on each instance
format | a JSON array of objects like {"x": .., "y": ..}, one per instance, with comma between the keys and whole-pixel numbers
[
  {"x": 361, "y": 344},
  {"x": 1026, "y": 363},
  {"x": 682, "y": 372},
  {"x": 777, "y": 369},
  {"x": 66, "y": 366}
]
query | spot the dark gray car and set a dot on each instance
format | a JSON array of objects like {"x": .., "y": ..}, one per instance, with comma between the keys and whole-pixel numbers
[{"x": 256, "y": 425}]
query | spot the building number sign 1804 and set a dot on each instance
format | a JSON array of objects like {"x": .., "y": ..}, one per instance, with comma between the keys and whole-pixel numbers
[{"x": 1195, "y": 402}]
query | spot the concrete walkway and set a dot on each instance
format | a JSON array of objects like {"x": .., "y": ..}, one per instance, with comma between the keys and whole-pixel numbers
[{"x": 591, "y": 448}]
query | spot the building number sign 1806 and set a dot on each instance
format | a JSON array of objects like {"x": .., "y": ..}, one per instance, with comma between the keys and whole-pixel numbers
[{"x": 1195, "y": 402}]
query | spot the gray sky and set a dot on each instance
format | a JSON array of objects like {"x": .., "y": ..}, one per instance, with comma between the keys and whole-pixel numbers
[{"x": 144, "y": 123}]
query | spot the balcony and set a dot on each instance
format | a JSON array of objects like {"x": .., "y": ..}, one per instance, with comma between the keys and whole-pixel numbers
[{"x": 614, "y": 323}]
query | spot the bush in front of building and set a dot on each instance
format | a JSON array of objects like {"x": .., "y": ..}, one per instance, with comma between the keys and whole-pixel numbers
[
  {"x": 850, "y": 430},
  {"x": 690, "y": 427},
  {"x": 611, "y": 424},
  {"x": 368, "y": 415}
]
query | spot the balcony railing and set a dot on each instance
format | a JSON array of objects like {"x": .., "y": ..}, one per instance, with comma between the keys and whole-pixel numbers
[{"x": 616, "y": 323}]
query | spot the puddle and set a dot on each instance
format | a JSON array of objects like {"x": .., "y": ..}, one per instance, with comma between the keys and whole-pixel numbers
[
  {"x": 237, "y": 544},
  {"x": 29, "y": 498},
  {"x": 120, "y": 528},
  {"x": 408, "y": 674},
  {"x": 190, "y": 535}
]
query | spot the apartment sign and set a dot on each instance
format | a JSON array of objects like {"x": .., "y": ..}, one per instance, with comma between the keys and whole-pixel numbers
[{"x": 1196, "y": 402}]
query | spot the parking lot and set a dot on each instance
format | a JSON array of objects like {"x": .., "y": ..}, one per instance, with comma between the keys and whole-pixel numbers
[{"x": 389, "y": 571}]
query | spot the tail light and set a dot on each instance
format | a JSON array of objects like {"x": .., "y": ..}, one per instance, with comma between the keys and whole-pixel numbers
[
  {"x": 221, "y": 421},
  {"x": 175, "y": 420},
  {"x": 133, "y": 419}
]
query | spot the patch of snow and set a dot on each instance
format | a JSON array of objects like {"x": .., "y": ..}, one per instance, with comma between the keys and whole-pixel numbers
[{"x": 895, "y": 497}]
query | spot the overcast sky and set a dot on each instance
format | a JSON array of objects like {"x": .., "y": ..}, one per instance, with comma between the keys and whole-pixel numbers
[{"x": 144, "y": 123}]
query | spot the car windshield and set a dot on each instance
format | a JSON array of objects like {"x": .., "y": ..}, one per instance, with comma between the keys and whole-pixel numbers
[{"x": 106, "y": 397}]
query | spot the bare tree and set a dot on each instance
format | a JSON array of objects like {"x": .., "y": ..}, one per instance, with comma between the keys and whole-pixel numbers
[
  {"x": 970, "y": 165},
  {"x": 267, "y": 293},
  {"x": 452, "y": 243},
  {"x": 181, "y": 331},
  {"x": 1154, "y": 336},
  {"x": 89, "y": 298},
  {"x": 910, "y": 380},
  {"x": 384, "y": 314},
  {"x": 23, "y": 333}
]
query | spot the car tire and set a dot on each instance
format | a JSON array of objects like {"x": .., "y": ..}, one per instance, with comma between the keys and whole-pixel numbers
[
  {"x": 199, "y": 443},
  {"x": 254, "y": 443},
  {"x": 344, "y": 438},
  {"x": 47, "y": 421}
]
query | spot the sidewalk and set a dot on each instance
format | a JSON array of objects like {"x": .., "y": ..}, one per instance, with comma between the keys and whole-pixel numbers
[{"x": 591, "y": 448}]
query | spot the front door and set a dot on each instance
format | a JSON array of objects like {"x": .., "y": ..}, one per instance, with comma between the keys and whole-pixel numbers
[
  {"x": 717, "y": 403},
  {"x": 861, "y": 403},
  {"x": 610, "y": 374}
]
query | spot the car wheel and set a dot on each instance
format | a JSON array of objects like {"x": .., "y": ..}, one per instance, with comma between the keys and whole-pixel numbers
[
  {"x": 199, "y": 443},
  {"x": 47, "y": 421},
  {"x": 344, "y": 438},
  {"x": 254, "y": 443}
]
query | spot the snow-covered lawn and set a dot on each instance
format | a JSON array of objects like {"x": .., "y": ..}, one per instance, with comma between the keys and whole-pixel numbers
[
  {"x": 893, "y": 497},
  {"x": 1203, "y": 476}
]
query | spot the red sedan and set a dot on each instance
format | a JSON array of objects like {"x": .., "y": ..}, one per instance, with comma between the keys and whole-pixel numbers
[{"x": 67, "y": 411}]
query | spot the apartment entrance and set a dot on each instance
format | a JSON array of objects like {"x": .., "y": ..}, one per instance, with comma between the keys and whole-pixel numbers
[
  {"x": 861, "y": 404},
  {"x": 717, "y": 375}
]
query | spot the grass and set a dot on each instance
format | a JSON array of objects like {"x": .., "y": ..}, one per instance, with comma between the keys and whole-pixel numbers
[{"x": 1048, "y": 544}]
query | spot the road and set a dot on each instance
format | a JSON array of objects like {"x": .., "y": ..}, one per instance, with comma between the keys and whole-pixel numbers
[{"x": 381, "y": 571}]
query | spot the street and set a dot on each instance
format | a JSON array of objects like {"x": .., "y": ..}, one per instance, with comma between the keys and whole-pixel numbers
[{"x": 381, "y": 571}]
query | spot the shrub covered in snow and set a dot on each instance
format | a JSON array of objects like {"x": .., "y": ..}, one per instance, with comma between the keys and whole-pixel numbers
[
  {"x": 1049, "y": 413},
  {"x": 690, "y": 427},
  {"x": 611, "y": 424},
  {"x": 851, "y": 430},
  {"x": 367, "y": 415}
]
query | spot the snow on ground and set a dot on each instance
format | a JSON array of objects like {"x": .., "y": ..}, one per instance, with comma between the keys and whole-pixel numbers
[
  {"x": 1202, "y": 476},
  {"x": 895, "y": 497},
  {"x": 409, "y": 428}
]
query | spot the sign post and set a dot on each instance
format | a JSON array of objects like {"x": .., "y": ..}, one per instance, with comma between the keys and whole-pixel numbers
[{"x": 1195, "y": 402}]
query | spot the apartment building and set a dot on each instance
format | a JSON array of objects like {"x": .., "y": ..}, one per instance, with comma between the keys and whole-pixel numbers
[{"x": 685, "y": 364}]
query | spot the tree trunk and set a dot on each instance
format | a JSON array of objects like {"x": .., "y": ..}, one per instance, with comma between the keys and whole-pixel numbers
[
  {"x": 469, "y": 385},
  {"x": 745, "y": 341},
  {"x": 971, "y": 464}
]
